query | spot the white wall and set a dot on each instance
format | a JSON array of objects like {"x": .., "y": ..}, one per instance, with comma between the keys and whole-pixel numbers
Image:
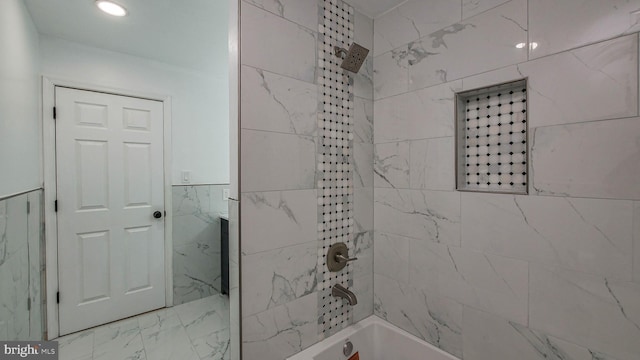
[
  {"x": 19, "y": 100},
  {"x": 200, "y": 125}
]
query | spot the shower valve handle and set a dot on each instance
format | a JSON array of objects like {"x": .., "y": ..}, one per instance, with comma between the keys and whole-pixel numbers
[{"x": 343, "y": 259}]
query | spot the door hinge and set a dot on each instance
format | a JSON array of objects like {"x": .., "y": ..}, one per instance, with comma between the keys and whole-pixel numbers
[
  {"x": 58, "y": 297},
  {"x": 29, "y": 304},
  {"x": 55, "y": 115},
  {"x": 55, "y": 205},
  {"x": 28, "y": 207}
]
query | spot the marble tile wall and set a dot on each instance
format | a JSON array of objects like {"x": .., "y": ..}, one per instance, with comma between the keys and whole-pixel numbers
[
  {"x": 363, "y": 172},
  {"x": 21, "y": 302},
  {"x": 196, "y": 241},
  {"x": 552, "y": 275},
  {"x": 279, "y": 176}
]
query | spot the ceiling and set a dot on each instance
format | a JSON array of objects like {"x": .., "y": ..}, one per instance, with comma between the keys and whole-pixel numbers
[
  {"x": 161, "y": 30},
  {"x": 374, "y": 8}
]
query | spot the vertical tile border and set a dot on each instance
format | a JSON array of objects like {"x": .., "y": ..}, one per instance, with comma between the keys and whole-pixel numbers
[{"x": 335, "y": 172}]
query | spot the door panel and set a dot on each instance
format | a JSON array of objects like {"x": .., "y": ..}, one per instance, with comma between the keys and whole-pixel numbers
[
  {"x": 109, "y": 155},
  {"x": 92, "y": 175}
]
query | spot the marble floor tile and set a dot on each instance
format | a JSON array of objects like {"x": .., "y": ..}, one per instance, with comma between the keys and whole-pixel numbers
[
  {"x": 76, "y": 346},
  {"x": 198, "y": 330},
  {"x": 120, "y": 340},
  {"x": 205, "y": 316}
]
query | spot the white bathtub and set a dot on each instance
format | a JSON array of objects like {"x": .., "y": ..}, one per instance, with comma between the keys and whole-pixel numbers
[{"x": 375, "y": 339}]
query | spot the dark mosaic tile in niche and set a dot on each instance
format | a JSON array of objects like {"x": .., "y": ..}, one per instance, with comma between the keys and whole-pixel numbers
[{"x": 492, "y": 143}]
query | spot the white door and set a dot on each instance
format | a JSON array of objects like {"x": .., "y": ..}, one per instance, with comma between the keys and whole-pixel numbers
[{"x": 109, "y": 164}]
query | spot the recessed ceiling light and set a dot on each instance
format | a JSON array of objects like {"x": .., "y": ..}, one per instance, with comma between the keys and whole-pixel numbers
[{"x": 111, "y": 8}]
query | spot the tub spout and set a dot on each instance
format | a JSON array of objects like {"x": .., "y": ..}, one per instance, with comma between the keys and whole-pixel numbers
[{"x": 342, "y": 292}]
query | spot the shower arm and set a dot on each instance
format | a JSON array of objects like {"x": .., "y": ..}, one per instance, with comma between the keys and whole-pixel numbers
[{"x": 340, "y": 52}]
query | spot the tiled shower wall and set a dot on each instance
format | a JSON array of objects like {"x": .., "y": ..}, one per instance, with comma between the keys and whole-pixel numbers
[
  {"x": 196, "y": 241},
  {"x": 493, "y": 276},
  {"x": 279, "y": 177},
  {"x": 21, "y": 268}
]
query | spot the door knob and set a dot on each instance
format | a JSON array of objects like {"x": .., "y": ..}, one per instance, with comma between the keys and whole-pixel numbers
[{"x": 157, "y": 214}]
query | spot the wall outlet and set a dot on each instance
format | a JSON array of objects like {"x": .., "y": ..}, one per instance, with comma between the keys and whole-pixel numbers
[
  {"x": 225, "y": 194},
  {"x": 186, "y": 176}
]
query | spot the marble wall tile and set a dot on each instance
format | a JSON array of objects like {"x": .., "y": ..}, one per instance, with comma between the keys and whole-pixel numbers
[
  {"x": 390, "y": 75},
  {"x": 489, "y": 78},
  {"x": 563, "y": 86},
  {"x": 363, "y": 209},
  {"x": 488, "y": 337},
  {"x": 391, "y": 165},
  {"x": 363, "y": 249},
  {"x": 278, "y": 219},
  {"x": 561, "y": 25},
  {"x": 391, "y": 256},
  {"x": 16, "y": 229},
  {"x": 218, "y": 203},
  {"x": 587, "y": 310},
  {"x": 362, "y": 161},
  {"x": 363, "y": 121},
  {"x": 281, "y": 331},
  {"x": 274, "y": 161},
  {"x": 589, "y": 235},
  {"x": 636, "y": 241},
  {"x": 235, "y": 338},
  {"x": 424, "y": 114},
  {"x": 363, "y": 288},
  {"x": 491, "y": 38},
  {"x": 301, "y": 12},
  {"x": 234, "y": 234},
  {"x": 363, "y": 30},
  {"x": 413, "y": 20},
  {"x": 277, "y": 277},
  {"x": 363, "y": 80},
  {"x": 487, "y": 282},
  {"x": 35, "y": 230},
  {"x": 293, "y": 55},
  {"x": 426, "y": 215},
  {"x": 14, "y": 269},
  {"x": 196, "y": 272},
  {"x": 14, "y": 314},
  {"x": 596, "y": 82},
  {"x": 594, "y": 159},
  {"x": 436, "y": 320},
  {"x": 193, "y": 220},
  {"x": 277, "y": 103},
  {"x": 196, "y": 241},
  {"x": 474, "y": 7},
  {"x": 432, "y": 164}
]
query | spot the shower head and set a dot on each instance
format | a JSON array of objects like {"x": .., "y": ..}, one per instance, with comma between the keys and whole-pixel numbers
[{"x": 352, "y": 58}]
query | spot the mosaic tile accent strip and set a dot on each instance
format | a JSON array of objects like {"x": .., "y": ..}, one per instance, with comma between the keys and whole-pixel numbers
[
  {"x": 335, "y": 180},
  {"x": 492, "y": 139}
]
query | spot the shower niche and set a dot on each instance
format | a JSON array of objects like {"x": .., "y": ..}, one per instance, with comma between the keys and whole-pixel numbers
[{"x": 491, "y": 139}]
